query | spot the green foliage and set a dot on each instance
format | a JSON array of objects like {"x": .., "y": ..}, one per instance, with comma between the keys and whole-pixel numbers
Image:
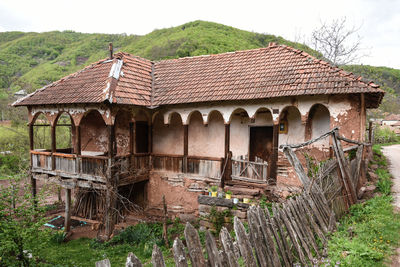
[
  {"x": 385, "y": 135},
  {"x": 21, "y": 224},
  {"x": 58, "y": 237},
  {"x": 367, "y": 236},
  {"x": 217, "y": 218},
  {"x": 385, "y": 181}
]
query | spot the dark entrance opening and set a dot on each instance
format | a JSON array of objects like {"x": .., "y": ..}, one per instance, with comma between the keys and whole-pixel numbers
[
  {"x": 142, "y": 137},
  {"x": 261, "y": 143}
]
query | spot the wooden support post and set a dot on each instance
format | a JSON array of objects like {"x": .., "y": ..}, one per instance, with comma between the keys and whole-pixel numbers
[
  {"x": 185, "y": 147},
  {"x": 31, "y": 142},
  {"x": 362, "y": 117},
  {"x": 53, "y": 146},
  {"x": 78, "y": 140},
  {"x": 150, "y": 144},
  {"x": 112, "y": 185},
  {"x": 67, "y": 221},
  {"x": 226, "y": 169},
  {"x": 370, "y": 130},
  {"x": 34, "y": 190},
  {"x": 274, "y": 158},
  {"x": 131, "y": 140}
]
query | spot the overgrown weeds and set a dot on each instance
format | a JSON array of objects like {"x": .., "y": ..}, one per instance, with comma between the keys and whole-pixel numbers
[{"x": 368, "y": 235}]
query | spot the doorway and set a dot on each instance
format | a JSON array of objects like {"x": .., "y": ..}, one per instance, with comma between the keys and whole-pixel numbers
[
  {"x": 142, "y": 137},
  {"x": 261, "y": 143}
]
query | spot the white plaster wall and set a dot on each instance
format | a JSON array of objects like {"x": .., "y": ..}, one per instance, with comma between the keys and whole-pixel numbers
[
  {"x": 168, "y": 139},
  {"x": 296, "y": 130},
  {"x": 206, "y": 141},
  {"x": 320, "y": 125}
]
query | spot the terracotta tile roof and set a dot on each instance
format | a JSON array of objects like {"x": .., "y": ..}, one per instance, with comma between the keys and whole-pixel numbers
[
  {"x": 392, "y": 117},
  {"x": 123, "y": 80},
  {"x": 274, "y": 71}
]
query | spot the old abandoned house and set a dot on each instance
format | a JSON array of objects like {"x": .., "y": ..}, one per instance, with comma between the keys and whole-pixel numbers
[{"x": 173, "y": 127}]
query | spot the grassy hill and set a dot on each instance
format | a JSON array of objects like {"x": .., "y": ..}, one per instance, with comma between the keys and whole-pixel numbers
[{"x": 31, "y": 60}]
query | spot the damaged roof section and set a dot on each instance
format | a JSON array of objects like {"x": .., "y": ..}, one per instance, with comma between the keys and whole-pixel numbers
[{"x": 274, "y": 71}]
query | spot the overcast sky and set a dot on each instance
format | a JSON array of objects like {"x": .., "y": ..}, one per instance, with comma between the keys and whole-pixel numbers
[{"x": 379, "y": 19}]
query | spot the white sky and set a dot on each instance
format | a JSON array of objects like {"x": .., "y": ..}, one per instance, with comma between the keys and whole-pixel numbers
[{"x": 379, "y": 19}]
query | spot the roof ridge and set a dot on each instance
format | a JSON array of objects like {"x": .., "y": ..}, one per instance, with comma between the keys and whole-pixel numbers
[{"x": 219, "y": 54}]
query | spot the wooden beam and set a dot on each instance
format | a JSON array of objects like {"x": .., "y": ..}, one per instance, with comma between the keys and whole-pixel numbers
[
  {"x": 226, "y": 166},
  {"x": 31, "y": 137},
  {"x": 362, "y": 117},
  {"x": 67, "y": 221},
  {"x": 78, "y": 140},
  {"x": 53, "y": 146},
  {"x": 131, "y": 140},
  {"x": 274, "y": 158},
  {"x": 370, "y": 130},
  {"x": 111, "y": 140},
  {"x": 185, "y": 147}
]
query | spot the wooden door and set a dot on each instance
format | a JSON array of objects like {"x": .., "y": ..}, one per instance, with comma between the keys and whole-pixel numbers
[{"x": 261, "y": 143}]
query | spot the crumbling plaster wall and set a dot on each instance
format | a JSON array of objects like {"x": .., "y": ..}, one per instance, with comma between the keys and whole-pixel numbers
[{"x": 168, "y": 139}]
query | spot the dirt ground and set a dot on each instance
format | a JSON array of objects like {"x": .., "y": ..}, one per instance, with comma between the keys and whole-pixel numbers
[{"x": 393, "y": 155}]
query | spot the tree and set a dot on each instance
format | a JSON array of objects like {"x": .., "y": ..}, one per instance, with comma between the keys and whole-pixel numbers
[
  {"x": 21, "y": 225},
  {"x": 338, "y": 43}
]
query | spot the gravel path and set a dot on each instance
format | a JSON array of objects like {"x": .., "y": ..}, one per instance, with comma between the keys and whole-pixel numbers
[{"x": 392, "y": 153}]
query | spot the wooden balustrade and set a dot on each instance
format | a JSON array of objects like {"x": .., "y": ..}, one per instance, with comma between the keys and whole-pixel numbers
[{"x": 251, "y": 171}]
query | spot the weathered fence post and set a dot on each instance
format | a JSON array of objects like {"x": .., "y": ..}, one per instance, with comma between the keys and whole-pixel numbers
[
  {"x": 179, "y": 253},
  {"x": 212, "y": 251},
  {"x": 103, "y": 263},
  {"x": 194, "y": 246},
  {"x": 132, "y": 261},
  {"x": 244, "y": 244},
  {"x": 228, "y": 247},
  {"x": 157, "y": 258}
]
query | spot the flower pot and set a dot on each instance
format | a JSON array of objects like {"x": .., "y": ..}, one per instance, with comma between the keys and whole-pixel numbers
[
  {"x": 246, "y": 200},
  {"x": 228, "y": 196},
  {"x": 235, "y": 200},
  {"x": 214, "y": 194}
]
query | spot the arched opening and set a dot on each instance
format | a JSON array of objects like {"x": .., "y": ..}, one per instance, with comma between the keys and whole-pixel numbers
[
  {"x": 65, "y": 133},
  {"x": 122, "y": 131},
  {"x": 168, "y": 139},
  {"x": 94, "y": 134},
  {"x": 142, "y": 132},
  {"x": 318, "y": 123},
  {"x": 207, "y": 141},
  {"x": 291, "y": 130},
  {"x": 41, "y": 133},
  {"x": 239, "y": 132},
  {"x": 197, "y": 115}
]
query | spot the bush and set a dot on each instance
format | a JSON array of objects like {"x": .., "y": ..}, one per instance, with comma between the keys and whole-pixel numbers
[{"x": 385, "y": 135}]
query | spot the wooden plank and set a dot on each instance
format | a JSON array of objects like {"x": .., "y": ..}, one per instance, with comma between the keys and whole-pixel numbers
[
  {"x": 185, "y": 147},
  {"x": 278, "y": 238},
  {"x": 268, "y": 237},
  {"x": 132, "y": 261},
  {"x": 212, "y": 251},
  {"x": 103, "y": 263},
  {"x": 179, "y": 253},
  {"x": 298, "y": 228},
  {"x": 157, "y": 259},
  {"x": 344, "y": 168},
  {"x": 293, "y": 236},
  {"x": 304, "y": 225},
  {"x": 316, "y": 212},
  {"x": 279, "y": 225},
  {"x": 295, "y": 162},
  {"x": 257, "y": 238},
  {"x": 228, "y": 246},
  {"x": 244, "y": 243},
  {"x": 274, "y": 159},
  {"x": 304, "y": 208},
  {"x": 194, "y": 246},
  {"x": 67, "y": 219}
]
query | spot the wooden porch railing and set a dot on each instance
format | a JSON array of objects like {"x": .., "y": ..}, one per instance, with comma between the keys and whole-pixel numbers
[
  {"x": 252, "y": 171},
  {"x": 205, "y": 166},
  {"x": 167, "y": 162}
]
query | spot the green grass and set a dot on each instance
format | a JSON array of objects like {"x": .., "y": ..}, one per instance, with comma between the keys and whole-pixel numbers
[
  {"x": 371, "y": 231},
  {"x": 81, "y": 252}
]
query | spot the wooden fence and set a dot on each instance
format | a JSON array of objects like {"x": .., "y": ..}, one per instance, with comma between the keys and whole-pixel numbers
[
  {"x": 246, "y": 170},
  {"x": 288, "y": 233}
]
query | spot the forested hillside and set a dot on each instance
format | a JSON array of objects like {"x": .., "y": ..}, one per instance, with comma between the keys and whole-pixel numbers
[{"x": 31, "y": 60}]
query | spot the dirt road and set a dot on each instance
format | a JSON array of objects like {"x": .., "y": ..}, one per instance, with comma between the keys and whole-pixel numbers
[{"x": 392, "y": 153}]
